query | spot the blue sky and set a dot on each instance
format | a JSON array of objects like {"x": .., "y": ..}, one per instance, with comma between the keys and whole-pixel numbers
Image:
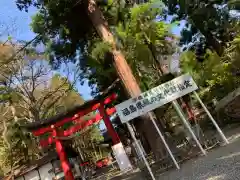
[{"x": 16, "y": 23}]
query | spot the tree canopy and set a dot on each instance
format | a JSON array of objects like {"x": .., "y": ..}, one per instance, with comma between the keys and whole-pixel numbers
[
  {"x": 213, "y": 20},
  {"x": 30, "y": 92}
]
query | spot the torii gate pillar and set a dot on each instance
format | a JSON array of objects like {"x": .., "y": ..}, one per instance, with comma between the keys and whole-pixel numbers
[
  {"x": 110, "y": 129},
  {"x": 62, "y": 156}
]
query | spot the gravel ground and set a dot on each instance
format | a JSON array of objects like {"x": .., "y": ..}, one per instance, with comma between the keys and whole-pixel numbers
[{"x": 222, "y": 163}]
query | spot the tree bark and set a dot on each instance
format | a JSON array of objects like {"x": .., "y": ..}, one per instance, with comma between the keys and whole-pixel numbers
[{"x": 123, "y": 70}]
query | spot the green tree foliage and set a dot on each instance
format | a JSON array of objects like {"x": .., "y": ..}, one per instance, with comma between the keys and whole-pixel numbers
[
  {"x": 20, "y": 148},
  {"x": 144, "y": 40},
  {"x": 216, "y": 76},
  {"x": 138, "y": 36},
  {"x": 69, "y": 37},
  {"x": 211, "y": 18},
  {"x": 63, "y": 27},
  {"x": 89, "y": 143}
]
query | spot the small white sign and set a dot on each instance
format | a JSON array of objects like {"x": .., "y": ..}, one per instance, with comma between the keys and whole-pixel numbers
[
  {"x": 121, "y": 157},
  {"x": 155, "y": 97}
]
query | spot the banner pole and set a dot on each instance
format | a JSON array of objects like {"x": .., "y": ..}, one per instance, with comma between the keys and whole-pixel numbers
[
  {"x": 140, "y": 150},
  {"x": 184, "y": 120},
  {"x": 211, "y": 118},
  {"x": 164, "y": 141}
]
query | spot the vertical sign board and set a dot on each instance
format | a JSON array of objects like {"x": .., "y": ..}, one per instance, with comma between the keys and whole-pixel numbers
[
  {"x": 155, "y": 97},
  {"x": 121, "y": 157}
]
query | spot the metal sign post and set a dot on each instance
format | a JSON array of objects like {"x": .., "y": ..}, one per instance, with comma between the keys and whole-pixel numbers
[
  {"x": 154, "y": 98},
  {"x": 186, "y": 124},
  {"x": 164, "y": 141},
  {"x": 159, "y": 96},
  {"x": 211, "y": 118},
  {"x": 140, "y": 150}
]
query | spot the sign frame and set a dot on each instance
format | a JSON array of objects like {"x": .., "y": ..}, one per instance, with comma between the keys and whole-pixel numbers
[{"x": 155, "y": 97}]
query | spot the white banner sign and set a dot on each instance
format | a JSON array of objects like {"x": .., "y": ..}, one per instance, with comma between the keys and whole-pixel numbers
[{"x": 156, "y": 97}]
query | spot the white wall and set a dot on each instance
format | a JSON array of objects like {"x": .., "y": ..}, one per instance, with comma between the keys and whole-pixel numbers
[
  {"x": 32, "y": 175},
  {"x": 44, "y": 172},
  {"x": 20, "y": 178}
]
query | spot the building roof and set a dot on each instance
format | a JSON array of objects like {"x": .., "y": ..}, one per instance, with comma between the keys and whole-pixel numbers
[{"x": 20, "y": 171}]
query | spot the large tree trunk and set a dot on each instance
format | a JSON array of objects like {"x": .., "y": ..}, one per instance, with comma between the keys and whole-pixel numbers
[{"x": 124, "y": 72}]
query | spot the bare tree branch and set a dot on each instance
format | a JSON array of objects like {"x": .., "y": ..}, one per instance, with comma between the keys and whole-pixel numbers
[
  {"x": 26, "y": 77},
  {"x": 65, "y": 82},
  {"x": 21, "y": 49}
]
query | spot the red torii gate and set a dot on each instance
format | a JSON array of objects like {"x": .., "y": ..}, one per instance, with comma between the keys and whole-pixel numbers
[{"x": 52, "y": 126}]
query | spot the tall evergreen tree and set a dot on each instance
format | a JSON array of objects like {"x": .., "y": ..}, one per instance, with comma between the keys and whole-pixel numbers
[{"x": 210, "y": 19}]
